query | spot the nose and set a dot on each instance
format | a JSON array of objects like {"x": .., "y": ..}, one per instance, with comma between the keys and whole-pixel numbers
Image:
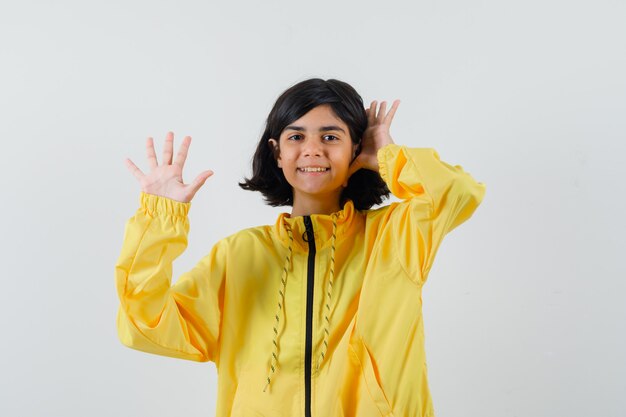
[{"x": 312, "y": 147}]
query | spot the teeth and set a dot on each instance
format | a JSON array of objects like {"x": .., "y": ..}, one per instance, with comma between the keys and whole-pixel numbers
[{"x": 307, "y": 169}]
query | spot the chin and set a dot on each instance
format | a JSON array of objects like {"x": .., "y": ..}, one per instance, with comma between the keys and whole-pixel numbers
[{"x": 325, "y": 192}]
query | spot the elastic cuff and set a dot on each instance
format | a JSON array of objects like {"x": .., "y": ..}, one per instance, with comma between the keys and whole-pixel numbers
[
  {"x": 156, "y": 204},
  {"x": 383, "y": 155}
]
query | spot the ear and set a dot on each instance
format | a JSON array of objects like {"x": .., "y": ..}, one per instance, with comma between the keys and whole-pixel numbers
[
  {"x": 273, "y": 144},
  {"x": 355, "y": 149}
]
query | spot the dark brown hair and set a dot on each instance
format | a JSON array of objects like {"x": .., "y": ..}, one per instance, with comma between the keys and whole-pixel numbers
[{"x": 365, "y": 187}]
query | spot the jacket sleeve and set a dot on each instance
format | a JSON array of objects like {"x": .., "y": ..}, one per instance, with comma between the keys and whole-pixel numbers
[
  {"x": 180, "y": 320},
  {"x": 437, "y": 197}
]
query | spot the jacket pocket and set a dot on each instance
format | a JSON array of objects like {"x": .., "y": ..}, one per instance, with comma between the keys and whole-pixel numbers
[
  {"x": 249, "y": 399},
  {"x": 361, "y": 354}
]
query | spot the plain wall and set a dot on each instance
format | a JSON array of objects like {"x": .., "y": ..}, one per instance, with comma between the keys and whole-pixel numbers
[{"x": 524, "y": 307}]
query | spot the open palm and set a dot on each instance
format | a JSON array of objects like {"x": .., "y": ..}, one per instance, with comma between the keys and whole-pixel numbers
[{"x": 166, "y": 180}]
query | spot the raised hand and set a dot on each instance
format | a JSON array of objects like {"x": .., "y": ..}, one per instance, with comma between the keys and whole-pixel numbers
[
  {"x": 166, "y": 180},
  {"x": 375, "y": 137}
]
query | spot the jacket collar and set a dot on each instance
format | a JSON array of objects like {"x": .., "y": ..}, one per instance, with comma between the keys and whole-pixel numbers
[{"x": 347, "y": 219}]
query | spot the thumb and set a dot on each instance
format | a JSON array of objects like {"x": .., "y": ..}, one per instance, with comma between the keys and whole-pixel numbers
[{"x": 200, "y": 180}]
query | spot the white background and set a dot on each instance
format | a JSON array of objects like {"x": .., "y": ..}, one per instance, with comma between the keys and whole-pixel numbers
[{"x": 524, "y": 308}]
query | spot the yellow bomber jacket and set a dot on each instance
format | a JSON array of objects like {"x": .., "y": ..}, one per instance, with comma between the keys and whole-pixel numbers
[{"x": 316, "y": 315}]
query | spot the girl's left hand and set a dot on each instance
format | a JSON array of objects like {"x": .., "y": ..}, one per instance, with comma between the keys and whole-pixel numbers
[{"x": 375, "y": 137}]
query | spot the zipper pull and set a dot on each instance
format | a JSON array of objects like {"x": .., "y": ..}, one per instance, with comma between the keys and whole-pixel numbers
[{"x": 308, "y": 233}]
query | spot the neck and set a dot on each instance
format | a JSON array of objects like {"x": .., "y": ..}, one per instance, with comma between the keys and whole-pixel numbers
[{"x": 304, "y": 205}]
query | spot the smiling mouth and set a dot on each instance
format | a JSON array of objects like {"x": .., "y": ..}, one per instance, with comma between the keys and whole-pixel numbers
[{"x": 313, "y": 169}]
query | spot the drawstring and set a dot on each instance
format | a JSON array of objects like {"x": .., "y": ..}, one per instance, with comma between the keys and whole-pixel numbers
[
  {"x": 329, "y": 293},
  {"x": 281, "y": 302}
]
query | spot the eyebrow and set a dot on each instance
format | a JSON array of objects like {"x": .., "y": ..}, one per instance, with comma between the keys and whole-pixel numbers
[{"x": 321, "y": 129}]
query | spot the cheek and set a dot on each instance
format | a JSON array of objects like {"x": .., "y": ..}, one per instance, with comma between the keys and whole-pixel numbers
[
  {"x": 346, "y": 159},
  {"x": 286, "y": 154},
  {"x": 288, "y": 162}
]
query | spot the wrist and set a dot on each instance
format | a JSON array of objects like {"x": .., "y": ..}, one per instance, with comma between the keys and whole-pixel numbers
[{"x": 157, "y": 204}]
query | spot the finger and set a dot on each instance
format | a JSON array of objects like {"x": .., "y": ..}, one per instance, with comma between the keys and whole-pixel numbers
[
  {"x": 381, "y": 111},
  {"x": 199, "y": 181},
  {"x": 371, "y": 114},
  {"x": 168, "y": 148},
  {"x": 133, "y": 169},
  {"x": 392, "y": 112},
  {"x": 152, "y": 159},
  {"x": 181, "y": 157}
]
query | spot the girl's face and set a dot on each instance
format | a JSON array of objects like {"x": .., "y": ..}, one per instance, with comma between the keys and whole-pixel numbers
[{"x": 315, "y": 153}]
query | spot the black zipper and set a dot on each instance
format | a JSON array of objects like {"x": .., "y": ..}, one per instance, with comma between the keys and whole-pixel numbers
[{"x": 308, "y": 347}]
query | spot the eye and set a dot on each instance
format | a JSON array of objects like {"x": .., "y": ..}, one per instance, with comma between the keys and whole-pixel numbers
[
  {"x": 294, "y": 137},
  {"x": 332, "y": 137}
]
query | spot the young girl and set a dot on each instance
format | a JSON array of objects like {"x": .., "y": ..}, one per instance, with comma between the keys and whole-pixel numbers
[{"x": 320, "y": 313}]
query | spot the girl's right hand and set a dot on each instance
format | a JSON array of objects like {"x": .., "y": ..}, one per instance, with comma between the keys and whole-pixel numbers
[{"x": 166, "y": 180}]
